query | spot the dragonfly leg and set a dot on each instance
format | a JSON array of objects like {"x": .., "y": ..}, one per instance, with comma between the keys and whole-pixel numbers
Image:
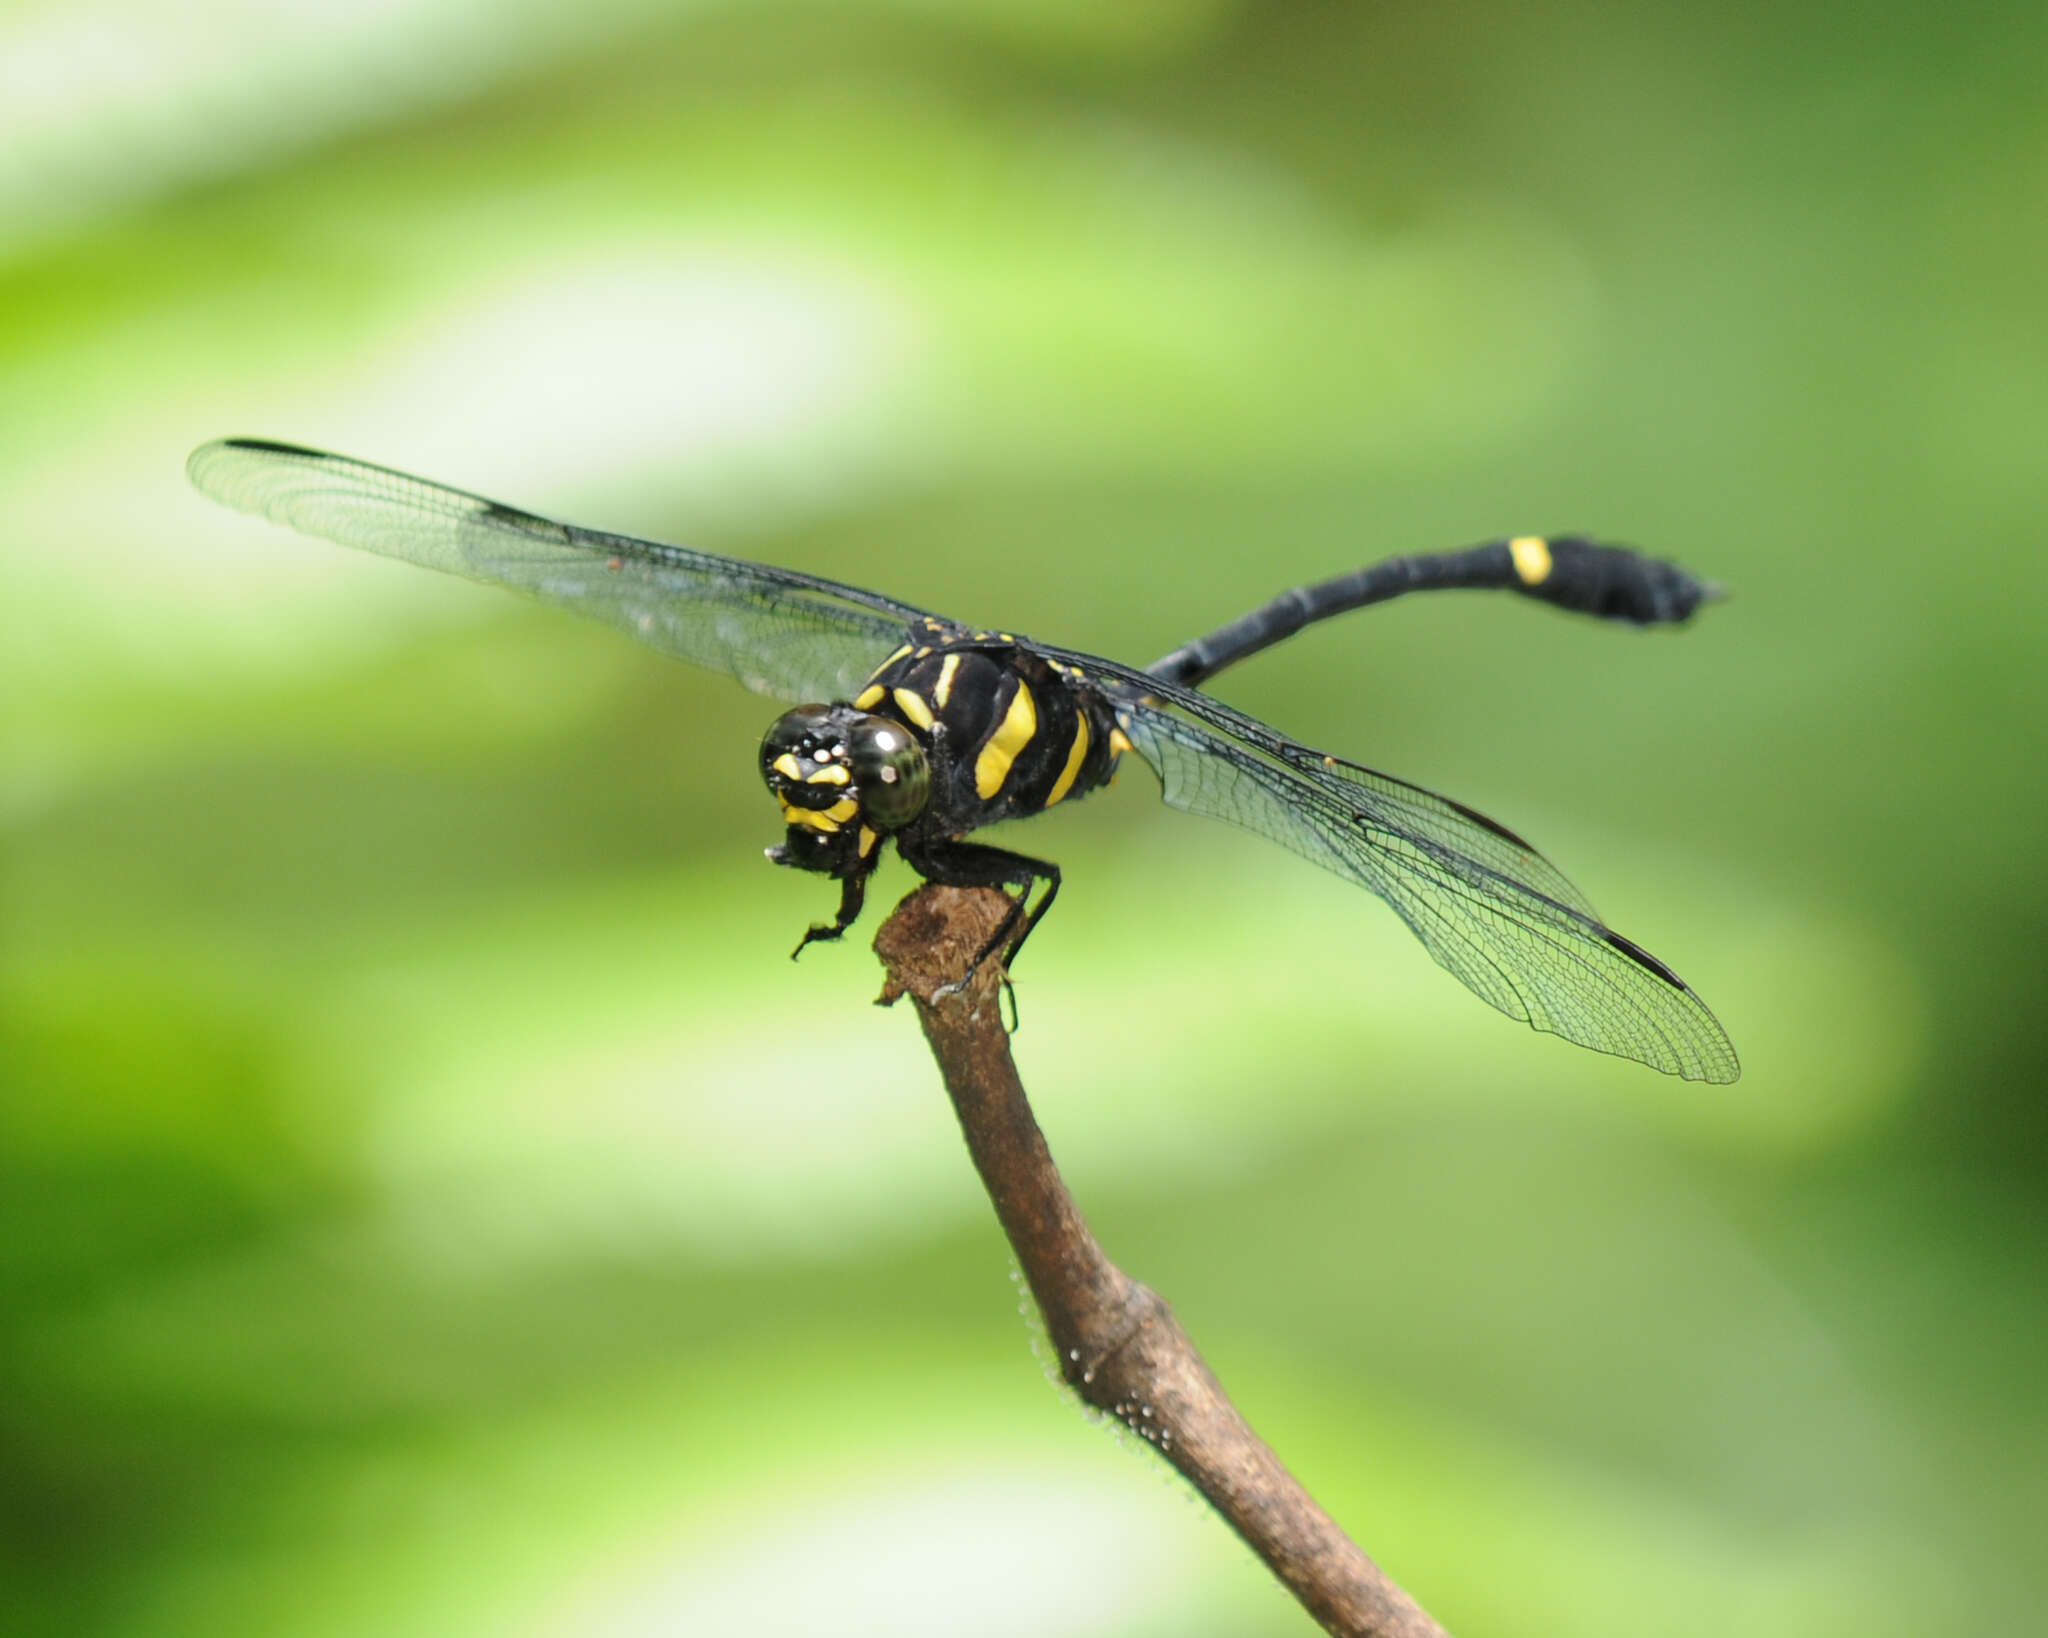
[
  {"x": 853, "y": 892},
  {"x": 972, "y": 864}
]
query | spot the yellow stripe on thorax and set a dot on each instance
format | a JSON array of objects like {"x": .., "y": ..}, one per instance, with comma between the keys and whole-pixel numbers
[
  {"x": 1019, "y": 723},
  {"x": 913, "y": 706},
  {"x": 1075, "y": 757},
  {"x": 944, "y": 691},
  {"x": 1532, "y": 558}
]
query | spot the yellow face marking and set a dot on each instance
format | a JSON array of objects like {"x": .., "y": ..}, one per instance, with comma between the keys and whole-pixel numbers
[
  {"x": 944, "y": 691},
  {"x": 913, "y": 707},
  {"x": 833, "y": 773},
  {"x": 1119, "y": 742},
  {"x": 1012, "y": 734},
  {"x": 788, "y": 766},
  {"x": 1532, "y": 558},
  {"x": 1075, "y": 757},
  {"x": 812, "y": 819},
  {"x": 868, "y": 839},
  {"x": 869, "y": 697},
  {"x": 841, "y": 811}
]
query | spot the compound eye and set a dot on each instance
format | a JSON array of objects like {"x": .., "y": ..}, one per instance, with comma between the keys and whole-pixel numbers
[
  {"x": 797, "y": 734},
  {"x": 890, "y": 770}
]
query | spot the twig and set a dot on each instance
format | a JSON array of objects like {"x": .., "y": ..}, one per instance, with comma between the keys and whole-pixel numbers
[{"x": 1119, "y": 1346}]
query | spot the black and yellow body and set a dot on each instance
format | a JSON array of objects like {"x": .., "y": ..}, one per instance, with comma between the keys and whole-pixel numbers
[
  {"x": 981, "y": 727},
  {"x": 929, "y": 731},
  {"x": 1015, "y": 732}
]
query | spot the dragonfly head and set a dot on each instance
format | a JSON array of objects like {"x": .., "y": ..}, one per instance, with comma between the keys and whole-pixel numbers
[{"x": 844, "y": 779}]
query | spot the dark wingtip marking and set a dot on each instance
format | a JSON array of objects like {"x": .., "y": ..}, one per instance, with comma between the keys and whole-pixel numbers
[
  {"x": 1642, "y": 958},
  {"x": 1304, "y": 755},
  {"x": 531, "y": 523},
  {"x": 268, "y": 446},
  {"x": 1485, "y": 823}
]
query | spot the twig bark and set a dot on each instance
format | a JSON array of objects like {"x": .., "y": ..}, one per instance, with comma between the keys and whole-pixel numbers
[{"x": 1119, "y": 1346}]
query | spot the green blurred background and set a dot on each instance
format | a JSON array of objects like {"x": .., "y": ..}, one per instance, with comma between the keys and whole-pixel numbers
[{"x": 431, "y": 1202}]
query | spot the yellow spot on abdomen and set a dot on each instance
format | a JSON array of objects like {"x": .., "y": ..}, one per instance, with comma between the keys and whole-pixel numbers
[
  {"x": 1075, "y": 757},
  {"x": 913, "y": 707},
  {"x": 1532, "y": 558},
  {"x": 1012, "y": 734}
]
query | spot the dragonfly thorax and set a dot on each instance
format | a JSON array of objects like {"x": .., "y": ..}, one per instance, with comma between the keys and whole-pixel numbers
[
  {"x": 959, "y": 728},
  {"x": 844, "y": 778}
]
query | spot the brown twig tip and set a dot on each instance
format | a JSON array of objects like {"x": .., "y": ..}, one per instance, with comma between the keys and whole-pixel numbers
[
  {"x": 1119, "y": 1345},
  {"x": 931, "y": 936}
]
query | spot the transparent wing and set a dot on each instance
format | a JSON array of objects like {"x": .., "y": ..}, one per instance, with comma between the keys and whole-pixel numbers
[
  {"x": 788, "y": 635},
  {"x": 1485, "y": 904},
  {"x": 1486, "y": 842}
]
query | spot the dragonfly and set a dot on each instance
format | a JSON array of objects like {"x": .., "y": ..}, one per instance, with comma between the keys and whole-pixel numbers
[{"x": 917, "y": 731}]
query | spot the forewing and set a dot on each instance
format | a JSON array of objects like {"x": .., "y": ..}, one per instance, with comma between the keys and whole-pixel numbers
[
  {"x": 1437, "y": 821},
  {"x": 1516, "y": 947},
  {"x": 1485, "y": 904},
  {"x": 781, "y": 633}
]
